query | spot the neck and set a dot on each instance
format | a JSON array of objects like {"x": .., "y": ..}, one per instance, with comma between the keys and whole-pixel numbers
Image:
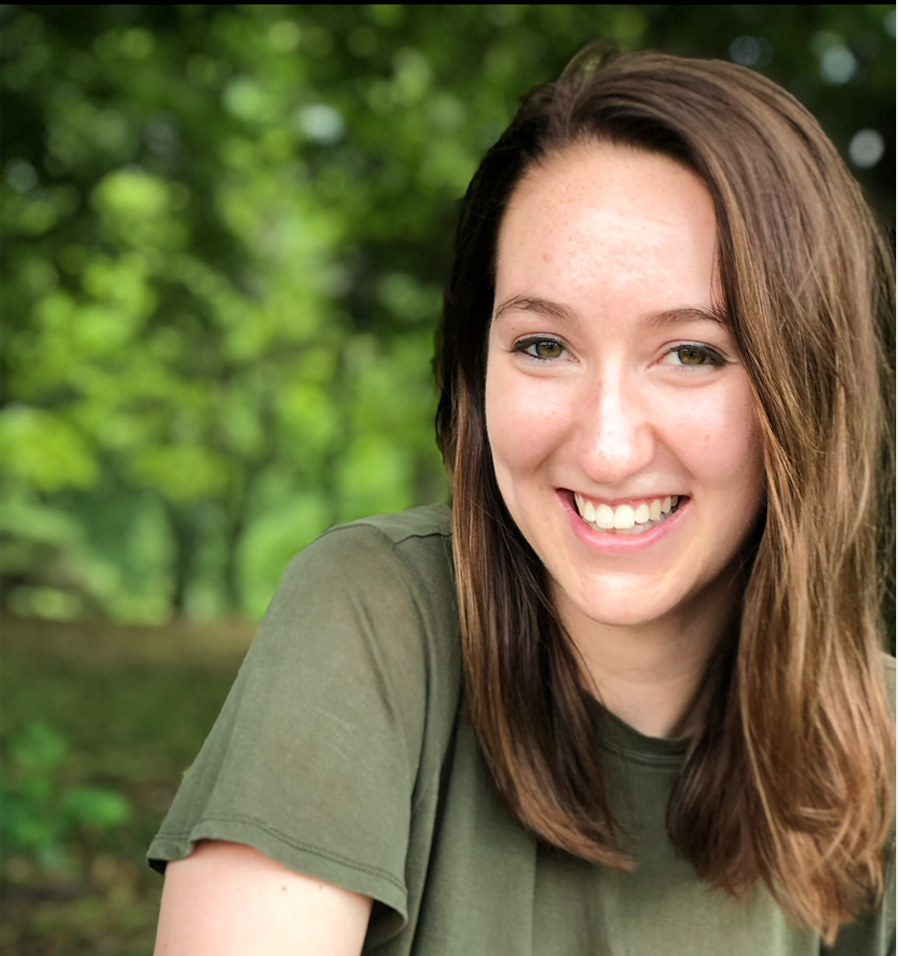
[{"x": 651, "y": 675}]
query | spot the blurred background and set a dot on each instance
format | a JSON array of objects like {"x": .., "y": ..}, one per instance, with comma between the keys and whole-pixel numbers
[{"x": 225, "y": 232}]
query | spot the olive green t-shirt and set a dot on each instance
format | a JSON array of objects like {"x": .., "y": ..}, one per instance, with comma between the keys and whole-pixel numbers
[{"x": 340, "y": 753}]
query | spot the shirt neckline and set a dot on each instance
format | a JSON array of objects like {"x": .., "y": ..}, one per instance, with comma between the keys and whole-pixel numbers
[{"x": 627, "y": 742}]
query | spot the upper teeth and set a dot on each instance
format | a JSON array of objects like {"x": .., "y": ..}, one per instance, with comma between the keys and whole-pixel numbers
[{"x": 624, "y": 517}]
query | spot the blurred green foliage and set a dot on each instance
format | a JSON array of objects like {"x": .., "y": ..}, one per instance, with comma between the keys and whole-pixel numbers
[
  {"x": 226, "y": 230},
  {"x": 95, "y": 738},
  {"x": 40, "y": 812}
]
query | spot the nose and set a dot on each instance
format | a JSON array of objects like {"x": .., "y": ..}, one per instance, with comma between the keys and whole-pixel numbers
[{"x": 616, "y": 428}]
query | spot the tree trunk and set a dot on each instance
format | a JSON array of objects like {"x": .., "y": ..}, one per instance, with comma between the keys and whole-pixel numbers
[{"x": 184, "y": 534}]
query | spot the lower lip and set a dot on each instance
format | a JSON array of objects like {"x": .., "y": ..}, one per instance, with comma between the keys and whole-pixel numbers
[{"x": 609, "y": 543}]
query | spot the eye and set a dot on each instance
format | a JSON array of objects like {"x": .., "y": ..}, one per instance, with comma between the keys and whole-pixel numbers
[
  {"x": 543, "y": 349},
  {"x": 694, "y": 355}
]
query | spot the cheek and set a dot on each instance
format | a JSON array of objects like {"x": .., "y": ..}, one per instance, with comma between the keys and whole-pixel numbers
[
  {"x": 524, "y": 421},
  {"x": 720, "y": 439}
]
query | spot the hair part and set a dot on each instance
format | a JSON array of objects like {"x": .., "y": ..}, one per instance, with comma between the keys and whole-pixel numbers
[{"x": 790, "y": 779}]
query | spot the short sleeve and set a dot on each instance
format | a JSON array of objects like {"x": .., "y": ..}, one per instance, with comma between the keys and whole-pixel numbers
[{"x": 314, "y": 758}]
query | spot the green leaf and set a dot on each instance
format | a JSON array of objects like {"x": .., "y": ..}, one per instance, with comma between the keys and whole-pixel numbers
[{"x": 96, "y": 807}]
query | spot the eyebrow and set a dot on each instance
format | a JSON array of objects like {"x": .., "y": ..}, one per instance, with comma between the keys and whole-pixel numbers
[
  {"x": 524, "y": 303},
  {"x": 687, "y": 314}
]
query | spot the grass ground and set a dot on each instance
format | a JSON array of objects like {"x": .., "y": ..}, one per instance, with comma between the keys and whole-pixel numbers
[{"x": 129, "y": 709}]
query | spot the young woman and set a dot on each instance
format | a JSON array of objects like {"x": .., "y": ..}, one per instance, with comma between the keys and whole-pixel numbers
[{"x": 627, "y": 696}]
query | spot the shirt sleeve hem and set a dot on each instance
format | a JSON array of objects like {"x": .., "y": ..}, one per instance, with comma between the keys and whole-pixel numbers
[{"x": 300, "y": 857}]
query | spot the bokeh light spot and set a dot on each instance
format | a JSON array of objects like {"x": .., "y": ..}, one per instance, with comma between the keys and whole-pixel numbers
[
  {"x": 837, "y": 65},
  {"x": 321, "y": 123},
  {"x": 866, "y": 148},
  {"x": 21, "y": 176},
  {"x": 751, "y": 51}
]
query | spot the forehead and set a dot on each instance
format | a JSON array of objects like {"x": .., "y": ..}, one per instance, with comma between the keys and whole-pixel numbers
[
  {"x": 598, "y": 179},
  {"x": 597, "y": 218}
]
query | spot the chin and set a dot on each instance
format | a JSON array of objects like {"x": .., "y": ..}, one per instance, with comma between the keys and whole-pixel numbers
[{"x": 632, "y": 606}]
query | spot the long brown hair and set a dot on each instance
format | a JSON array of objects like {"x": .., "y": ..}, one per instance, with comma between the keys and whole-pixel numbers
[{"x": 790, "y": 779}]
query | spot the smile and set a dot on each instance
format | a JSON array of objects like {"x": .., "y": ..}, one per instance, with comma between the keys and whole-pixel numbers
[{"x": 626, "y": 518}]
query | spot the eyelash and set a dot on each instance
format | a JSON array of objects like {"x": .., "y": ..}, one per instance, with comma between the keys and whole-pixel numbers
[{"x": 713, "y": 358}]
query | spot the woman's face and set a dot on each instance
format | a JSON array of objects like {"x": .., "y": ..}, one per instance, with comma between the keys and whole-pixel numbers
[{"x": 619, "y": 415}]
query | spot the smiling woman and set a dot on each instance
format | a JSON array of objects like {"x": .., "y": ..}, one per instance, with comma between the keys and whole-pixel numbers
[{"x": 627, "y": 695}]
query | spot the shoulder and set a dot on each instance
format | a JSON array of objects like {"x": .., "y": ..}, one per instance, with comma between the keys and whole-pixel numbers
[
  {"x": 383, "y": 584},
  {"x": 406, "y": 540},
  {"x": 412, "y": 544},
  {"x": 383, "y": 566},
  {"x": 431, "y": 522}
]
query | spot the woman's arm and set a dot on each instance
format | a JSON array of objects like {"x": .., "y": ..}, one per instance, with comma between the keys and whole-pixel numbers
[{"x": 227, "y": 898}]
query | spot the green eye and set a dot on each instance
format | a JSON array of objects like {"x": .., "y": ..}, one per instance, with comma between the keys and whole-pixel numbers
[
  {"x": 547, "y": 349},
  {"x": 695, "y": 355},
  {"x": 689, "y": 355},
  {"x": 542, "y": 349}
]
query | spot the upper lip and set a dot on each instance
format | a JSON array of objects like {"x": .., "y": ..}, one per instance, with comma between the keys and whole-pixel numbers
[{"x": 630, "y": 500}]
